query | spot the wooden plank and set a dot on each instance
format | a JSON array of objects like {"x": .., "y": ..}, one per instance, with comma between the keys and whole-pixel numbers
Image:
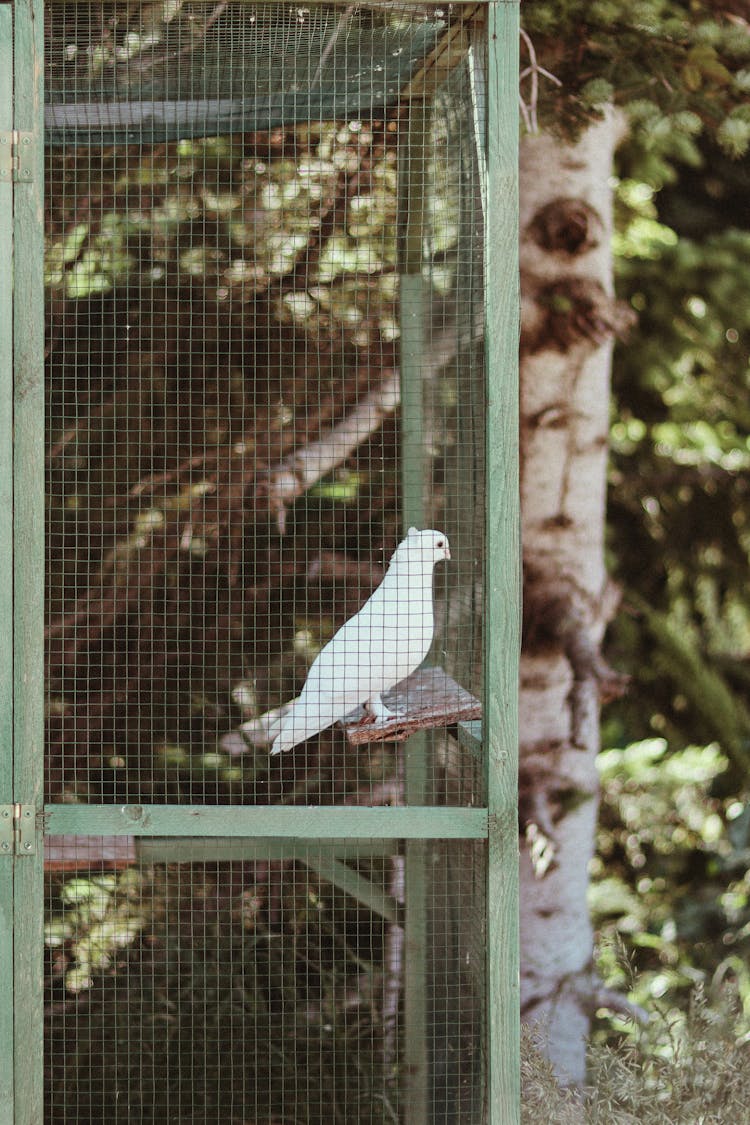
[
  {"x": 69, "y": 853},
  {"x": 28, "y": 555},
  {"x": 352, "y": 883},
  {"x": 6, "y": 576},
  {"x": 451, "y": 49},
  {"x": 469, "y": 735},
  {"x": 300, "y": 821},
  {"x": 6, "y": 420},
  {"x": 428, "y": 698},
  {"x": 219, "y": 849},
  {"x": 502, "y": 580}
]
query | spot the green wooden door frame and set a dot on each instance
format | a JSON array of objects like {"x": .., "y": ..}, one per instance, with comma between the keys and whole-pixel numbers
[
  {"x": 21, "y": 555},
  {"x": 6, "y": 587},
  {"x": 502, "y": 588},
  {"x": 28, "y": 552},
  {"x": 21, "y": 652}
]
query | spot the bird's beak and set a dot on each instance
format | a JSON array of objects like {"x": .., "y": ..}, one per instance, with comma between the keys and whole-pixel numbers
[{"x": 447, "y": 553}]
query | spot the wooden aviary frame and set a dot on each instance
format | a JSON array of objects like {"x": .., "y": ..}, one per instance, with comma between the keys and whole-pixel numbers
[{"x": 403, "y": 832}]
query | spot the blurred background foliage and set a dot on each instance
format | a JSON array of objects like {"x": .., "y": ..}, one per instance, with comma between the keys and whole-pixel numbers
[
  {"x": 669, "y": 891},
  {"x": 670, "y": 884}
]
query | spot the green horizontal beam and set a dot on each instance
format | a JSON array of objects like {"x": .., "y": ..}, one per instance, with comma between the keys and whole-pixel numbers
[{"x": 300, "y": 822}]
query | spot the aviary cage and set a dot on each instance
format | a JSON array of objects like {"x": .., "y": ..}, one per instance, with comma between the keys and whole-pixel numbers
[{"x": 265, "y": 256}]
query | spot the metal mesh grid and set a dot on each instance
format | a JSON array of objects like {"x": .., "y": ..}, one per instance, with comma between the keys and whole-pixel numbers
[
  {"x": 254, "y": 989},
  {"x": 264, "y": 360},
  {"x": 182, "y": 69},
  {"x": 228, "y": 464}
]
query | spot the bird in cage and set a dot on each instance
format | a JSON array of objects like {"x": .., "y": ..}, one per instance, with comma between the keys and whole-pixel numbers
[{"x": 374, "y": 650}]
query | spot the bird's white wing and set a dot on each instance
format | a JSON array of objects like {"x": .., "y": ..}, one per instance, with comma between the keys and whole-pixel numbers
[
  {"x": 381, "y": 645},
  {"x": 338, "y": 681}
]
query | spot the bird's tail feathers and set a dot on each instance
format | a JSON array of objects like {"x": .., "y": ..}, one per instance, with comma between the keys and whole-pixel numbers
[{"x": 305, "y": 718}]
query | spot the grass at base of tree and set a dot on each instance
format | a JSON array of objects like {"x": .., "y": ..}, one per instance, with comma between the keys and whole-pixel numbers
[{"x": 693, "y": 1069}]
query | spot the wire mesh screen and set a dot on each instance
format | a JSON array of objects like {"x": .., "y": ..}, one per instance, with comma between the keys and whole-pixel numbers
[
  {"x": 264, "y": 363},
  {"x": 254, "y": 989},
  {"x": 189, "y": 69},
  {"x": 250, "y": 383}
]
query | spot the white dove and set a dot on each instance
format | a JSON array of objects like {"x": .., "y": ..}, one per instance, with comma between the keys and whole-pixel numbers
[{"x": 375, "y": 649}]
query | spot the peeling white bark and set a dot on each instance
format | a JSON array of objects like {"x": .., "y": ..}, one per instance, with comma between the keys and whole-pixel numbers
[{"x": 564, "y": 427}]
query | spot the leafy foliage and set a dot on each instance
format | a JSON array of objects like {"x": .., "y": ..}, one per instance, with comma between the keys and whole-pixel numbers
[
  {"x": 95, "y": 917},
  {"x": 670, "y": 879},
  {"x": 669, "y": 882},
  {"x": 678, "y": 509},
  {"x": 675, "y": 67},
  {"x": 235, "y": 218}
]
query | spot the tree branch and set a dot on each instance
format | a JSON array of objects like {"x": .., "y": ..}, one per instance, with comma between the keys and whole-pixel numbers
[{"x": 298, "y": 472}]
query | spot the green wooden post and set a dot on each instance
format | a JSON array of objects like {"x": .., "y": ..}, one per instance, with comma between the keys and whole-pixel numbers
[
  {"x": 412, "y": 185},
  {"x": 502, "y": 581},
  {"x": 28, "y": 561},
  {"x": 6, "y": 586}
]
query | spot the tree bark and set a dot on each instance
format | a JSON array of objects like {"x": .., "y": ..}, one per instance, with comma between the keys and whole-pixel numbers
[{"x": 569, "y": 319}]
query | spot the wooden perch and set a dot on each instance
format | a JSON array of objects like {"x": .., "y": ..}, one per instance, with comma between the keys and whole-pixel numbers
[{"x": 426, "y": 699}]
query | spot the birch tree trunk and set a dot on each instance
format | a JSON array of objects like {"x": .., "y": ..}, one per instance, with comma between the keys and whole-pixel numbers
[{"x": 569, "y": 319}]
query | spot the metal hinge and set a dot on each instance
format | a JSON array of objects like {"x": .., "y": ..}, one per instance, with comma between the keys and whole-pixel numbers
[
  {"x": 16, "y": 156},
  {"x": 17, "y": 830}
]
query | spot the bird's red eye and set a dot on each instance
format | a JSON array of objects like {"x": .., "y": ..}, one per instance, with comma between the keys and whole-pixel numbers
[{"x": 440, "y": 543}]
